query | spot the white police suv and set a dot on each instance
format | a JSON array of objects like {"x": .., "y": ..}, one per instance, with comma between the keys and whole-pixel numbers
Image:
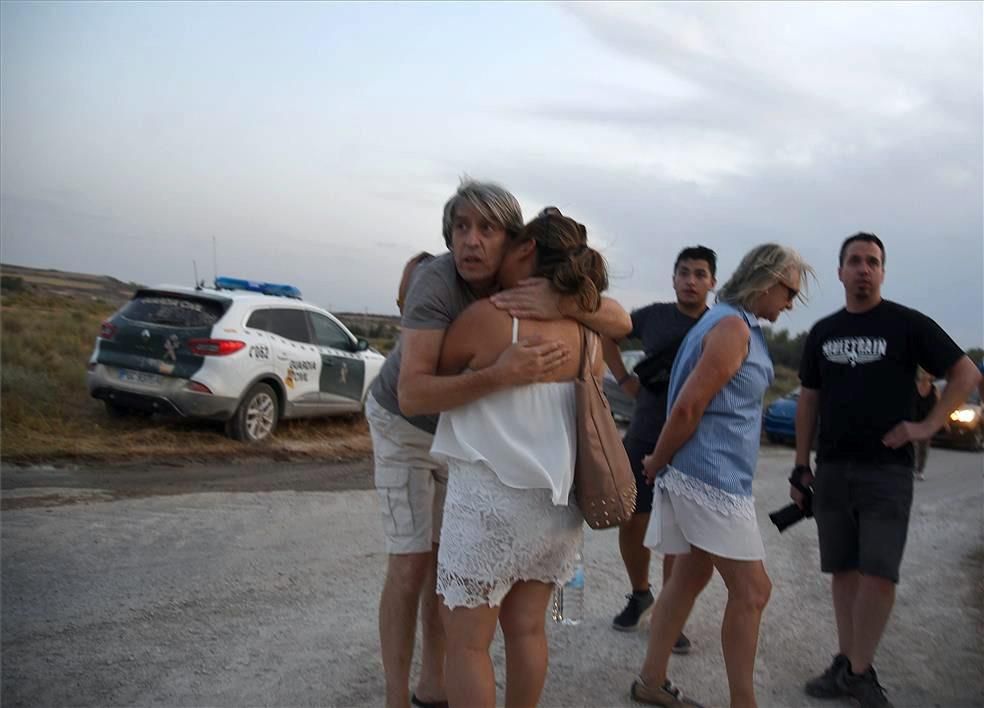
[{"x": 243, "y": 352}]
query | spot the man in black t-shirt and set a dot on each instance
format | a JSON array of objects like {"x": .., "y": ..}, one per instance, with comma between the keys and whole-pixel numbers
[
  {"x": 858, "y": 372},
  {"x": 661, "y": 327}
]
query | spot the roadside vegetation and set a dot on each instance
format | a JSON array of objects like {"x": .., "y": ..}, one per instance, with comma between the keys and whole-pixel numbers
[{"x": 46, "y": 413}]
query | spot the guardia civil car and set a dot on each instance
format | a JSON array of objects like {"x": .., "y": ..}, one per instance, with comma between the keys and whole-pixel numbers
[{"x": 244, "y": 352}]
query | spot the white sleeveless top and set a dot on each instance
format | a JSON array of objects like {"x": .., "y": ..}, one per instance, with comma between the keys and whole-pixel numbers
[{"x": 526, "y": 435}]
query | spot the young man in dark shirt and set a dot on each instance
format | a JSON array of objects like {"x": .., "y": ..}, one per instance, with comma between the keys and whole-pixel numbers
[
  {"x": 661, "y": 326},
  {"x": 858, "y": 373}
]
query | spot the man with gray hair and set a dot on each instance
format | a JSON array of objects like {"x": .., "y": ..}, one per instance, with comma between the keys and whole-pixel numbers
[{"x": 480, "y": 220}]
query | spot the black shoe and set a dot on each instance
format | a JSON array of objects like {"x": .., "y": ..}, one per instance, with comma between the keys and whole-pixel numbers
[
  {"x": 639, "y": 607},
  {"x": 864, "y": 687},
  {"x": 682, "y": 645},
  {"x": 825, "y": 685}
]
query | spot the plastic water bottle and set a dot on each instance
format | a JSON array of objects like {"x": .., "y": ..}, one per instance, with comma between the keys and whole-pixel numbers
[{"x": 568, "y": 599}]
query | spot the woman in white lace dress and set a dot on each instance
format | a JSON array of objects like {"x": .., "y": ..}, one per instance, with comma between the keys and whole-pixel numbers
[
  {"x": 703, "y": 465},
  {"x": 511, "y": 528}
]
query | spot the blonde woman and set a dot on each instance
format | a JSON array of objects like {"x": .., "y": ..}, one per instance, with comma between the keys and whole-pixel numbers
[{"x": 703, "y": 465}]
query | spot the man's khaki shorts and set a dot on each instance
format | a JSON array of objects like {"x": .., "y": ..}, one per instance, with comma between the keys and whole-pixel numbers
[{"x": 411, "y": 484}]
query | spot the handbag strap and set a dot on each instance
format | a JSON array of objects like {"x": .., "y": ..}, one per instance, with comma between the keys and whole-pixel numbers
[{"x": 587, "y": 352}]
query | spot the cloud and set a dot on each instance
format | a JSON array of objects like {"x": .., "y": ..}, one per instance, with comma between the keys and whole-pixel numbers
[{"x": 659, "y": 125}]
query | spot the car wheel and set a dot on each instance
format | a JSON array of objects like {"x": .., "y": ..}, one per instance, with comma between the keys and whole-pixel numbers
[{"x": 257, "y": 415}]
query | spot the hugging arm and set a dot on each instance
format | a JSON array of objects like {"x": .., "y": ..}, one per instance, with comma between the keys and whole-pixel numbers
[
  {"x": 535, "y": 299},
  {"x": 421, "y": 390},
  {"x": 433, "y": 375}
]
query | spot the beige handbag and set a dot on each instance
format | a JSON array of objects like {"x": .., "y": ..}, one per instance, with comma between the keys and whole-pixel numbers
[{"x": 604, "y": 485}]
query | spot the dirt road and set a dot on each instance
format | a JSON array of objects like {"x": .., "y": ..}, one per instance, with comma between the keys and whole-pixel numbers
[
  {"x": 257, "y": 584},
  {"x": 27, "y": 487}
]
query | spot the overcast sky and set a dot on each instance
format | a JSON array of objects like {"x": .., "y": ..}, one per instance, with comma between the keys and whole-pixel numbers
[{"x": 318, "y": 142}]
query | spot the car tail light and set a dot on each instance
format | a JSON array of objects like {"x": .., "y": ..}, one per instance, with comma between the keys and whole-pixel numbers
[
  {"x": 107, "y": 330},
  {"x": 197, "y": 387},
  {"x": 214, "y": 347}
]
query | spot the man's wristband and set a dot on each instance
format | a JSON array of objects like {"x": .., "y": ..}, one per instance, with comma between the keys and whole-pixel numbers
[{"x": 625, "y": 378}]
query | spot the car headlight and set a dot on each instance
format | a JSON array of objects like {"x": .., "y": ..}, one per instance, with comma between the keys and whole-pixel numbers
[{"x": 964, "y": 415}]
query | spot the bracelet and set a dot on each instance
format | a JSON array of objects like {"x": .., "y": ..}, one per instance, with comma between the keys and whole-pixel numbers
[{"x": 624, "y": 378}]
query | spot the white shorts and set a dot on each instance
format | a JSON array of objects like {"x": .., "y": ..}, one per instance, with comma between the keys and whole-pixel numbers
[
  {"x": 411, "y": 484},
  {"x": 678, "y": 522}
]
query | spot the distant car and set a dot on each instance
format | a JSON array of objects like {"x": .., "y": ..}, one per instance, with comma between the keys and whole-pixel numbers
[
  {"x": 622, "y": 404},
  {"x": 246, "y": 353},
  {"x": 965, "y": 427},
  {"x": 779, "y": 419}
]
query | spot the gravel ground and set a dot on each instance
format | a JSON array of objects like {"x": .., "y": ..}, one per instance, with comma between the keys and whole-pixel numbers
[{"x": 177, "y": 596}]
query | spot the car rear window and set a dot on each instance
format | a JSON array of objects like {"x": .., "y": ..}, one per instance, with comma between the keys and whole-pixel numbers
[{"x": 173, "y": 311}]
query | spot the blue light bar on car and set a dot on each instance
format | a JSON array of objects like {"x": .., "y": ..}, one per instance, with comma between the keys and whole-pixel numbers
[{"x": 254, "y": 286}]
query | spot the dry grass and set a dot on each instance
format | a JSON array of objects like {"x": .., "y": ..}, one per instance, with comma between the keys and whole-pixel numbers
[
  {"x": 62, "y": 282},
  {"x": 46, "y": 412}
]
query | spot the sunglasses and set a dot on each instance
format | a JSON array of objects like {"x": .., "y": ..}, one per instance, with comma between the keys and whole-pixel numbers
[{"x": 791, "y": 292}]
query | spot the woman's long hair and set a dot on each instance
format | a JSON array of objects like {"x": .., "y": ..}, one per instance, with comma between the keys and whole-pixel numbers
[{"x": 564, "y": 257}]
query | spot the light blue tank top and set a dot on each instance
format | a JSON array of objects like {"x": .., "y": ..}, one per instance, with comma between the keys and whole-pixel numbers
[{"x": 723, "y": 451}]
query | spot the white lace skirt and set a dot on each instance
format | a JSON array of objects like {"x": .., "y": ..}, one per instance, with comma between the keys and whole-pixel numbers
[
  {"x": 688, "y": 512},
  {"x": 494, "y": 536}
]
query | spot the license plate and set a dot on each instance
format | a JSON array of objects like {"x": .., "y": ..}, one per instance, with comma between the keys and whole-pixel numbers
[{"x": 140, "y": 377}]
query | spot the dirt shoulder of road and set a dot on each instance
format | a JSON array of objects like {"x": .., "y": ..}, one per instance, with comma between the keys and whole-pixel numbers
[
  {"x": 25, "y": 487},
  {"x": 189, "y": 442}
]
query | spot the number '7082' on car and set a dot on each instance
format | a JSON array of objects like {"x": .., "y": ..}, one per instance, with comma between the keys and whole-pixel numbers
[{"x": 245, "y": 353}]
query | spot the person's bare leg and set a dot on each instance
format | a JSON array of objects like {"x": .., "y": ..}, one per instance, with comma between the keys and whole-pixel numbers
[
  {"x": 471, "y": 676},
  {"x": 749, "y": 588},
  {"x": 872, "y": 608},
  {"x": 430, "y": 684},
  {"x": 405, "y": 574},
  {"x": 691, "y": 573},
  {"x": 844, "y": 590},
  {"x": 667, "y": 566},
  {"x": 635, "y": 555},
  {"x": 522, "y": 618}
]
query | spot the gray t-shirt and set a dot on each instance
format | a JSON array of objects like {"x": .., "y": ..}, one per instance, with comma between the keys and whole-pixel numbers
[
  {"x": 437, "y": 295},
  {"x": 659, "y": 326}
]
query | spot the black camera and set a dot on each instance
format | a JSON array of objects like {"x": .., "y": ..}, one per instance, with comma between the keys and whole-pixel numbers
[
  {"x": 790, "y": 514},
  {"x": 654, "y": 371}
]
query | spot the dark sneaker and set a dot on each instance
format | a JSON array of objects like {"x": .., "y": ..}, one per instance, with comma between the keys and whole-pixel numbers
[
  {"x": 682, "y": 645},
  {"x": 864, "y": 687},
  {"x": 638, "y": 609},
  {"x": 667, "y": 695},
  {"x": 825, "y": 685}
]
